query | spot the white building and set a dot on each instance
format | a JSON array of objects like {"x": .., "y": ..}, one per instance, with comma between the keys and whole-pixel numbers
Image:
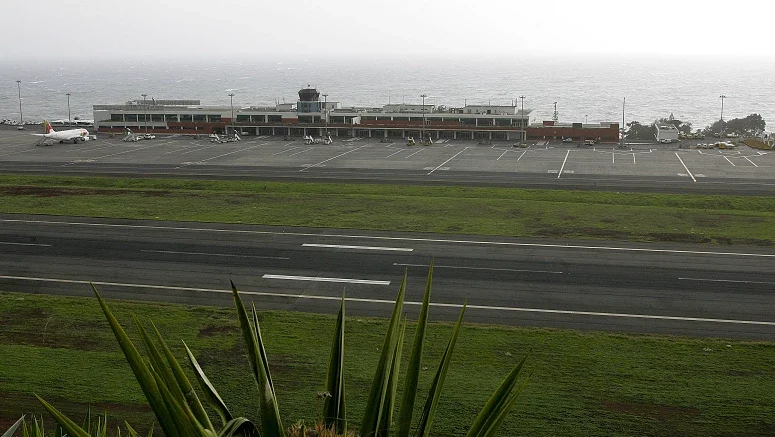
[{"x": 665, "y": 132}]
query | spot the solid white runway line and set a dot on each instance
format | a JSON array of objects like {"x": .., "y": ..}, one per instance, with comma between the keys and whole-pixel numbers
[
  {"x": 731, "y": 281},
  {"x": 10, "y": 243},
  {"x": 687, "y": 168},
  {"x": 340, "y": 246},
  {"x": 174, "y": 252},
  {"x": 385, "y": 238},
  {"x": 324, "y": 279},
  {"x": 392, "y": 302},
  {"x": 438, "y": 266}
]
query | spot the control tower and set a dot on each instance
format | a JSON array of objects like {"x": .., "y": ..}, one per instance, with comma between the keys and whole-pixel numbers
[{"x": 309, "y": 100}]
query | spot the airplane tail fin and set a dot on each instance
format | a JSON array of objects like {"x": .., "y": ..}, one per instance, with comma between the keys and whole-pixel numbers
[{"x": 47, "y": 127}]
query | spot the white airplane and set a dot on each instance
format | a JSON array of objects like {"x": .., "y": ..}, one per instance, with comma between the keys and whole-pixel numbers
[{"x": 73, "y": 135}]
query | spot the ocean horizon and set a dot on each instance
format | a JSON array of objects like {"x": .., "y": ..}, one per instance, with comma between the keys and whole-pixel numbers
[{"x": 590, "y": 88}]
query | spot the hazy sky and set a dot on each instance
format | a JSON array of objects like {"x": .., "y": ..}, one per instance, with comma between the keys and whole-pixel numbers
[{"x": 228, "y": 28}]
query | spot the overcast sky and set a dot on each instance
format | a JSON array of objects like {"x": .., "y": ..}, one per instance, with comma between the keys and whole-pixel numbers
[{"x": 226, "y": 28}]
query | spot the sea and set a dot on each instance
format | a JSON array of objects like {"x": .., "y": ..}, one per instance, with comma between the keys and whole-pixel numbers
[{"x": 584, "y": 88}]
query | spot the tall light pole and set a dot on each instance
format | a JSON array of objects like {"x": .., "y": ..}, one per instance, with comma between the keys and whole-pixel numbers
[
  {"x": 145, "y": 116},
  {"x": 69, "y": 123},
  {"x": 586, "y": 119},
  {"x": 231, "y": 103},
  {"x": 722, "y": 97},
  {"x": 21, "y": 114},
  {"x": 555, "y": 117},
  {"x": 522, "y": 117},
  {"x": 422, "y": 131},
  {"x": 325, "y": 111},
  {"x": 624, "y": 100}
]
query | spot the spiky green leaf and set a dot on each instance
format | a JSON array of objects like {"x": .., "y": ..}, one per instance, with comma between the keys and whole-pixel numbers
[
  {"x": 500, "y": 403},
  {"x": 207, "y": 387},
  {"x": 239, "y": 427},
  {"x": 184, "y": 385},
  {"x": 141, "y": 371},
  {"x": 71, "y": 427},
  {"x": 429, "y": 409},
  {"x": 271, "y": 425},
  {"x": 334, "y": 408},
  {"x": 375, "y": 403},
  {"x": 386, "y": 421},
  {"x": 415, "y": 363},
  {"x": 9, "y": 432},
  {"x": 157, "y": 363}
]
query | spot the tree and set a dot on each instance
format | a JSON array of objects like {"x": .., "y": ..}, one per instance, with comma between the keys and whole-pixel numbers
[
  {"x": 637, "y": 131},
  {"x": 753, "y": 124}
]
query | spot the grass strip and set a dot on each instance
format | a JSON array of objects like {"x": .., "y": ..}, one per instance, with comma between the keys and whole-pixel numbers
[
  {"x": 647, "y": 217},
  {"x": 583, "y": 383}
]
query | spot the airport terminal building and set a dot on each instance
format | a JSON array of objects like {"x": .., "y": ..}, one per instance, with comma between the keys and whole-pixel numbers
[{"x": 311, "y": 116}]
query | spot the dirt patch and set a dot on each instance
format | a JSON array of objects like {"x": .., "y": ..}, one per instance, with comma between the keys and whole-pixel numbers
[
  {"x": 652, "y": 411},
  {"x": 212, "y": 330},
  {"x": 34, "y": 327},
  {"x": 14, "y": 404},
  {"x": 679, "y": 238},
  {"x": 58, "y": 191},
  {"x": 589, "y": 232}
]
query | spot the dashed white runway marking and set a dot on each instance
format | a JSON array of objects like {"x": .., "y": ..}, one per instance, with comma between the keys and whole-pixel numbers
[
  {"x": 324, "y": 279},
  {"x": 340, "y": 246},
  {"x": 450, "y": 159},
  {"x": 300, "y": 152},
  {"x": 121, "y": 153},
  {"x": 407, "y": 157},
  {"x": 687, "y": 168},
  {"x": 285, "y": 151},
  {"x": 203, "y": 161},
  {"x": 563, "y": 164},
  {"x": 337, "y": 156},
  {"x": 174, "y": 252}
]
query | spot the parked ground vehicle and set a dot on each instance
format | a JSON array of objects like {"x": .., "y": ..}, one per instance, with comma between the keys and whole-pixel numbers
[{"x": 567, "y": 140}]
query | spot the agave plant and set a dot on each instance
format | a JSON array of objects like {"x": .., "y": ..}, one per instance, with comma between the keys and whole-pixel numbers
[{"x": 180, "y": 412}]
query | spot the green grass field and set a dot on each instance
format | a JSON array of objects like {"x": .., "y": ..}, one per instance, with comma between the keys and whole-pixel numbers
[
  {"x": 706, "y": 219},
  {"x": 582, "y": 383}
]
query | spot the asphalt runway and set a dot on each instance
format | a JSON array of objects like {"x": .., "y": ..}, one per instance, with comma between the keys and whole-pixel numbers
[
  {"x": 620, "y": 287},
  {"x": 541, "y": 164}
]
